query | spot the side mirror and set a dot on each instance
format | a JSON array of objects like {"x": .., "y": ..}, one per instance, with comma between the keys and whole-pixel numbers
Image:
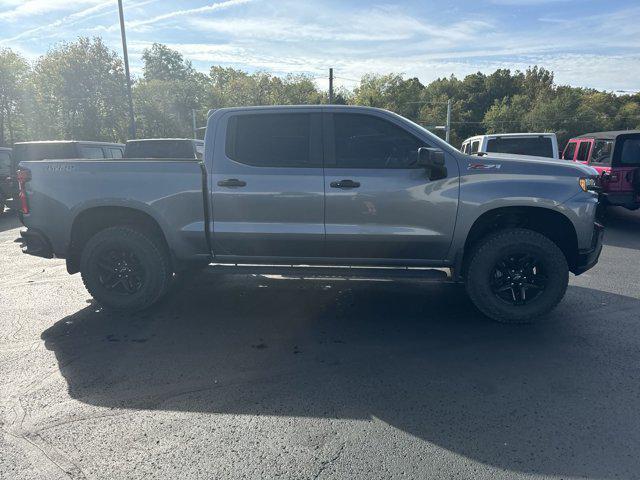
[{"x": 432, "y": 159}]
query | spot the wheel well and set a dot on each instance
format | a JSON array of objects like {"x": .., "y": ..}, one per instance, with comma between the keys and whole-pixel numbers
[
  {"x": 93, "y": 220},
  {"x": 553, "y": 225}
]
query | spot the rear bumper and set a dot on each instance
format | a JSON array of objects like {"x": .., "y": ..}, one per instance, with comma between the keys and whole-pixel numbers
[
  {"x": 34, "y": 242},
  {"x": 628, "y": 200},
  {"x": 588, "y": 258}
]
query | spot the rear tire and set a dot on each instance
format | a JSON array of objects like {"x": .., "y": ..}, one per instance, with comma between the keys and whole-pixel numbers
[
  {"x": 125, "y": 269},
  {"x": 506, "y": 261}
]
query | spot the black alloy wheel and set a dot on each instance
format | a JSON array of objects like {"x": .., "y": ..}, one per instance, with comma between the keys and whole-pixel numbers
[
  {"x": 120, "y": 271},
  {"x": 518, "y": 278}
]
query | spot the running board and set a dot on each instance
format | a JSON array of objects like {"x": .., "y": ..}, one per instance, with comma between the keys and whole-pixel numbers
[{"x": 328, "y": 272}]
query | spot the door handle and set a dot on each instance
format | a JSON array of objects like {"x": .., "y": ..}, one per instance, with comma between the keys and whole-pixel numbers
[
  {"x": 345, "y": 184},
  {"x": 232, "y": 182}
]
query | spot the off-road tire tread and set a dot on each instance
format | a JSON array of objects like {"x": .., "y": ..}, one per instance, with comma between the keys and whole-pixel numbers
[
  {"x": 154, "y": 247},
  {"x": 502, "y": 239}
]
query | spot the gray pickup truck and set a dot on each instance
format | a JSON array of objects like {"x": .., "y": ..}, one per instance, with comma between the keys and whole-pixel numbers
[{"x": 340, "y": 189}]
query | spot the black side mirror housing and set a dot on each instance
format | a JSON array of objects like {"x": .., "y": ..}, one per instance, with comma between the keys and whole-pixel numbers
[{"x": 432, "y": 159}]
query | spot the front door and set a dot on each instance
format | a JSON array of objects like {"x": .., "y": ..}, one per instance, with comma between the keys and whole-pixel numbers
[
  {"x": 380, "y": 207},
  {"x": 267, "y": 186}
]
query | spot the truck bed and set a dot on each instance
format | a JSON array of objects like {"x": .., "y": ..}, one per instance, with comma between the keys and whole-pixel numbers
[{"x": 171, "y": 192}]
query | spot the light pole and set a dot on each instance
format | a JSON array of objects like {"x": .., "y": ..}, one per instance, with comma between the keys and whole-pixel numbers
[{"x": 132, "y": 120}]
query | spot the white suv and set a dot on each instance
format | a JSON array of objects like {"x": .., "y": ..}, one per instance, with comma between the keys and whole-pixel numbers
[{"x": 532, "y": 144}]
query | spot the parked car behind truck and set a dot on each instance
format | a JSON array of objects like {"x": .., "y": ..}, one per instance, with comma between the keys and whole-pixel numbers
[
  {"x": 172, "y": 148},
  {"x": 320, "y": 186},
  {"x": 616, "y": 157},
  {"x": 58, "y": 149},
  {"x": 531, "y": 144}
]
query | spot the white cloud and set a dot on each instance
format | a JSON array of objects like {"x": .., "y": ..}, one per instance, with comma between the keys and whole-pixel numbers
[
  {"x": 136, "y": 24},
  {"x": 26, "y": 8},
  {"x": 292, "y": 36}
]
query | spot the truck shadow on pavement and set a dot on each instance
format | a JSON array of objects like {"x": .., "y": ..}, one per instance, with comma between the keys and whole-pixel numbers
[
  {"x": 557, "y": 398},
  {"x": 622, "y": 228}
]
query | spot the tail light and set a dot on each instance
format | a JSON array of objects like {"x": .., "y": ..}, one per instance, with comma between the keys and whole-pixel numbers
[{"x": 23, "y": 175}]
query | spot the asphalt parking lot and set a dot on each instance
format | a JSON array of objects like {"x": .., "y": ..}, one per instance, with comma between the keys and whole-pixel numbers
[{"x": 262, "y": 377}]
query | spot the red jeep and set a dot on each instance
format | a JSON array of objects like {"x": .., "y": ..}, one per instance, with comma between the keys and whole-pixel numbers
[{"x": 616, "y": 156}]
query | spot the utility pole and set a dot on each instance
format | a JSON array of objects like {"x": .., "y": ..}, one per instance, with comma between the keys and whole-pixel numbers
[
  {"x": 132, "y": 120},
  {"x": 330, "y": 85},
  {"x": 448, "y": 127},
  {"x": 193, "y": 122}
]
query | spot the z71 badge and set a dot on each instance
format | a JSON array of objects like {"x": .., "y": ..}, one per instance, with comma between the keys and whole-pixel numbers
[{"x": 484, "y": 166}]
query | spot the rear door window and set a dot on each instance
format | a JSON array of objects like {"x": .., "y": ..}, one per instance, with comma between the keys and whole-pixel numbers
[
  {"x": 583, "y": 151},
  {"x": 536, "y": 146},
  {"x": 91, "y": 152},
  {"x": 271, "y": 140},
  {"x": 569, "y": 151}
]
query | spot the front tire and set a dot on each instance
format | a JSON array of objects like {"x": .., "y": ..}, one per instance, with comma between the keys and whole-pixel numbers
[
  {"x": 517, "y": 276},
  {"x": 125, "y": 269}
]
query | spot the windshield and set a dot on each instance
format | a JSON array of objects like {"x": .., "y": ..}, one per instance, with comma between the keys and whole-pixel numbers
[
  {"x": 160, "y": 149},
  {"x": 535, "y": 146}
]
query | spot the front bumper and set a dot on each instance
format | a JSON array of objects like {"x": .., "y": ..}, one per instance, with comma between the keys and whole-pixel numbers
[
  {"x": 588, "y": 258},
  {"x": 34, "y": 242}
]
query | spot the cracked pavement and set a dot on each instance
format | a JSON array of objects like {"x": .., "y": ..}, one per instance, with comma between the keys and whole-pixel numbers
[{"x": 268, "y": 377}]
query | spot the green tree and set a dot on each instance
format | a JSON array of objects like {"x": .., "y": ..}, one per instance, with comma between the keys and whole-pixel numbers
[
  {"x": 392, "y": 92},
  {"x": 14, "y": 107},
  {"x": 167, "y": 94},
  {"x": 79, "y": 89},
  {"x": 164, "y": 63}
]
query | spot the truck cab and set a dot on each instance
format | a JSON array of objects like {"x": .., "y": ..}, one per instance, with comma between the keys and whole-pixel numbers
[{"x": 616, "y": 157}]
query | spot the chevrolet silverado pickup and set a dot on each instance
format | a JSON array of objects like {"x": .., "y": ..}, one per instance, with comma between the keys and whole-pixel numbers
[{"x": 340, "y": 189}]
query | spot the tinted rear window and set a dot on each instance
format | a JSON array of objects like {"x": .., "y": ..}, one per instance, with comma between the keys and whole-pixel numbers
[
  {"x": 570, "y": 151},
  {"x": 87, "y": 151},
  {"x": 630, "y": 155},
  {"x": 270, "y": 140},
  {"x": 536, "y": 146},
  {"x": 160, "y": 149}
]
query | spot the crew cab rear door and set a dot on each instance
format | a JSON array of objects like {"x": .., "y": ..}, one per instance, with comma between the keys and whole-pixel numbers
[
  {"x": 380, "y": 206},
  {"x": 267, "y": 185}
]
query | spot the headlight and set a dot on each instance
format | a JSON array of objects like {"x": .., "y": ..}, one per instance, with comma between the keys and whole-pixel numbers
[{"x": 588, "y": 184}]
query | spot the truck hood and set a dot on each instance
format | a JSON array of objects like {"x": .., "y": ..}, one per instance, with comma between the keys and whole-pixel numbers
[{"x": 579, "y": 169}]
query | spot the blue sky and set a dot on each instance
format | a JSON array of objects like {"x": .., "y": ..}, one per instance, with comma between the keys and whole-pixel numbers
[{"x": 589, "y": 43}]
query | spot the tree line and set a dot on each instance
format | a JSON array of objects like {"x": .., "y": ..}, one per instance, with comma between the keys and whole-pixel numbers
[{"x": 77, "y": 91}]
